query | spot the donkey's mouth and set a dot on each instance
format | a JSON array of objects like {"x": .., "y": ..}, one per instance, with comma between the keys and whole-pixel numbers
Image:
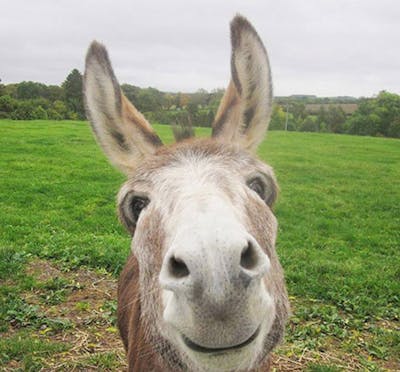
[{"x": 202, "y": 349}]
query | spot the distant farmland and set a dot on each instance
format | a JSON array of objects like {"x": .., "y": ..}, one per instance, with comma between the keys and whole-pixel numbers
[
  {"x": 314, "y": 108},
  {"x": 62, "y": 247}
]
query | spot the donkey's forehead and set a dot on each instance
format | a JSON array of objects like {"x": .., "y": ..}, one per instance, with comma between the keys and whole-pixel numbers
[{"x": 199, "y": 159}]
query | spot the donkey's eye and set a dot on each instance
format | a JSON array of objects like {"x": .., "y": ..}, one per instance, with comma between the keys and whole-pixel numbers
[
  {"x": 137, "y": 205},
  {"x": 257, "y": 185}
]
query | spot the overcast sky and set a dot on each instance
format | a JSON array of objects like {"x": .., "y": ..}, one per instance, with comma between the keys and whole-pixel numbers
[{"x": 322, "y": 47}]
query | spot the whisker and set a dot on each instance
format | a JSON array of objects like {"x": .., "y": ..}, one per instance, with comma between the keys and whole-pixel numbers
[{"x": 140, "y": 296}]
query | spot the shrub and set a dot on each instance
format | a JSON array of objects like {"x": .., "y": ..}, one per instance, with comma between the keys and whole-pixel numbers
[
  {"x": 39, "y": 113},
  {"x": 24, "y": 111}
]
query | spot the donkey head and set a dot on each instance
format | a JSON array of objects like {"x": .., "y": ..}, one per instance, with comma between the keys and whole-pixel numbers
[{"x": 211, "y": 289}]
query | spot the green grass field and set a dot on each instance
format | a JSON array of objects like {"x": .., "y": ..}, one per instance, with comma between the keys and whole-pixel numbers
[{"x": 339, "y": 240}]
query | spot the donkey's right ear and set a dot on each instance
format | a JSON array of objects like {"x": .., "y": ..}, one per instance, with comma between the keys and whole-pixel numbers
[{"x": 122, "y": 131}]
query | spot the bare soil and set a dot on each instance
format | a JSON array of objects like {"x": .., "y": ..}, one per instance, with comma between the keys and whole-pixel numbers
[{"x": 93, "y": 333}]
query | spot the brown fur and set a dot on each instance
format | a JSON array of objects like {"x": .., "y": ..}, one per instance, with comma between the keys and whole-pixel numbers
[
  {"x": 245, "y": 108},
  {"x": 131, "y": 114},
  {"x": 141, "y": 340},
  {"x": 132, "y": 145},
  {"x": 227, "y": 110}
]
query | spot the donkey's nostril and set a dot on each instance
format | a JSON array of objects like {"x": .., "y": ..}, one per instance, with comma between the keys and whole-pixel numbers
[
  {"x": 178, "y": 268},
  {"x": 249, "y": 257}
]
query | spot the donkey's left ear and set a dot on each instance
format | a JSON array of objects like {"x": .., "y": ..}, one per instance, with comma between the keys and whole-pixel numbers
[
  {"x": 122, "y": 131},
  {"x": 244, "y": 113}
]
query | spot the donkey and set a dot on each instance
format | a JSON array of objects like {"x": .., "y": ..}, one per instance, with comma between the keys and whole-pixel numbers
[{"x": 203, "y": 289}]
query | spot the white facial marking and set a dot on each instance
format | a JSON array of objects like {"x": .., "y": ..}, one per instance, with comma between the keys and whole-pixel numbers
[{"x": 219, "y": 303}]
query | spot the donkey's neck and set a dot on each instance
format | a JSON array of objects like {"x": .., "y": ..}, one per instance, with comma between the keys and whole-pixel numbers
[{"x": 141, "y": 353}]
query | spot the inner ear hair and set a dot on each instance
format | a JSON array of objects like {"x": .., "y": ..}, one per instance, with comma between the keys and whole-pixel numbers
[
  {"x": 245, "y": 109},
  {"x": 122, "y": 131}
]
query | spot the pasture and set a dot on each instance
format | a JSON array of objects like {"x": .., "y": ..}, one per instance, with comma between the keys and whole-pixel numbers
[{"x": 62, "y": 248}]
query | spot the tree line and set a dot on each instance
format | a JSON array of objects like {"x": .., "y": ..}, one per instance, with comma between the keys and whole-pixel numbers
[
  {"x": 31, "y": 100},
  {"x": 376, "y": 116}
]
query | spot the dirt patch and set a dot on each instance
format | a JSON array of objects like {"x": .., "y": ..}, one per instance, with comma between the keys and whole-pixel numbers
[
  {"x": 83, "y": 301},
  {"x": 88, "y": 308},
  {"x": 345, "y": 362}
]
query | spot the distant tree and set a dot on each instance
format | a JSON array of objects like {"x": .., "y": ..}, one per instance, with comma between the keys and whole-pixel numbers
[
  {"x": 60, "y": 109},
  {"x": 192, "y": 109},
  {"x": 376, "y": 116},
  {"x": 45, "y": 103},
  {"x": 149, "y": 99},
  {"x": 200, "y": 97},
  {"x": 394, "y": 129},
  {"x": 356, "y": 123},
  {"x": 183, "y": 100},
  {"x": 202, "y": 117},
  {"x": 321, "y": 115},
  {"x": 335, "y": 118},
  {"x": 298, "y": 110},
  {"x": 309, "y": 124},
  {"x": 7, "y": 105},
  {"x": 177, "y": 99},
  {"x": 30, "y": 90},
  {"x": 278, "y": 118},
  {"x": 388, "y": 110},
  {"x": 323, "y": 128},
  {"x": 73, "y": 93},
  {"x": 169, "y": 100},
  {"x": 54, "y": 93},
  {"x": 53, "y": 115},
  {"x": 158, "y": 98},
  {"x": 11, "y": 90},
  {"x": 24, "y": 111},
  {"x": 39, "y": 113},
  {"x": 365, "y": 124}
]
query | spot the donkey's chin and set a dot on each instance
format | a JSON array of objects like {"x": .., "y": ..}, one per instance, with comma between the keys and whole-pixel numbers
[{"x": 240, "y": 356}]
